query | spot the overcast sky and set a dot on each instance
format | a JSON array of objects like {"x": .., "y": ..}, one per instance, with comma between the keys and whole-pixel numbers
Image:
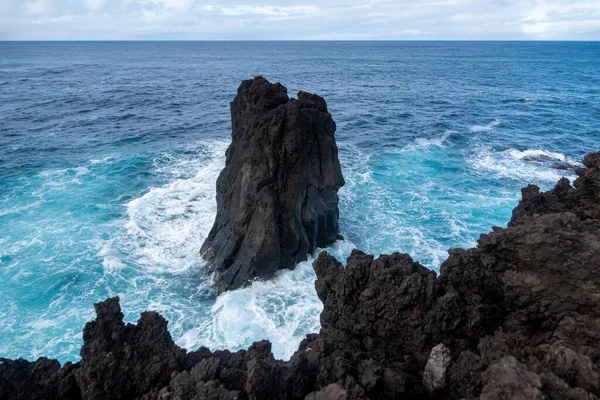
[{"x": 301, "y": 20}]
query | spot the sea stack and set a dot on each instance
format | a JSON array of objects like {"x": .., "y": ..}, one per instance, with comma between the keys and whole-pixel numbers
[{"x": 277, "y": 197}]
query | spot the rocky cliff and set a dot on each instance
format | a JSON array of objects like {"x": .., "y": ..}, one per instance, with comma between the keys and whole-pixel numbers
[
  {"x": 277, "y": 195},
  {"x": 517, "y": 317}
]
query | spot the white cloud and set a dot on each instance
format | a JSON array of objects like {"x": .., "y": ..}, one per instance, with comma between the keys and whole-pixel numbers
[
  {"x": 537, "y": 28},
  {"x": 175, "y": 4},
  {"x": 271, "y": 11},
  {"x": 296, "y": 19},
  {"x": 37, "y": 7},
  {"x": 94, "y": 5}
]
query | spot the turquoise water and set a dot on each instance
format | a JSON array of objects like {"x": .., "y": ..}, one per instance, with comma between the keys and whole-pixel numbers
[{"x": 109, "y": 154}]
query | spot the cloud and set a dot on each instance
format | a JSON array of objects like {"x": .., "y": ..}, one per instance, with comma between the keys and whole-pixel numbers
[
  {"x": 94, "y": 5},
  {"x": 268, "y": 11},
  {"x": 549, "y": 20},
  {"x": 295, "y": 19},
  {"x": 37, "y": 8}
]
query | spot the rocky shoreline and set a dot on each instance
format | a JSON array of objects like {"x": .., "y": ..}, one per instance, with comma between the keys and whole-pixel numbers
[{"x": 516, "y": 317}]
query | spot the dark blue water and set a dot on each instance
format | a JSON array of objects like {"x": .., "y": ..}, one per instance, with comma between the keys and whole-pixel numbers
[{"x": 109, "y": 154}]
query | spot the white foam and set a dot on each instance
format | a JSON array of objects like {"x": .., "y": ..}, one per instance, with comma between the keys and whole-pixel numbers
[
  {"x": 537, "y": 153},
  {"x": 485, "y": 128},
  {"x": 167, "y": 225},
  {"x": 18, "y": 210},
  {"x": 81, "y": 171},
  {"x": 42, "y": 323},
  {"x": 59, "y": 179},
  {"x": 102, "y": 160},
  {"x": 436, "y": 141},
  {"x": 510, "y": 164},
  {"x": 283, "y": 310},
  {"x": 110, "y": 261},
  {"x": 78, "y": 171},
  {"x": 51, "y": 172},
  {"x": 355, "y": 167}
]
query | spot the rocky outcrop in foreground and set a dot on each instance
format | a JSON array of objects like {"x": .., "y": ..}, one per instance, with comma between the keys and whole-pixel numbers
[
  {"x": 517, "y": 317},
  {"x": 277, "y": 195}
]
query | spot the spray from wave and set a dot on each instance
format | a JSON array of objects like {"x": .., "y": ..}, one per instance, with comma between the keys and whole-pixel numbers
[
  {"x": 540, "y": 155},
  {"x": 485, "y": 128},
  {"x": 167, "y": 225},
  {"x": 518, "y": 166}
]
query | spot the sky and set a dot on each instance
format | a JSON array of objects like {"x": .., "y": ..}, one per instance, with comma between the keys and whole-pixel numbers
[{"x": 299, "y": 20}]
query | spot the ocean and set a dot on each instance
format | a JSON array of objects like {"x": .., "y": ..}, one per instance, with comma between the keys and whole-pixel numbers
[{"x": 109, "y": 153}]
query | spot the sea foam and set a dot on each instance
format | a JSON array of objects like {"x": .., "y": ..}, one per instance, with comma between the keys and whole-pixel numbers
[
  {"x": 167, "y": 225},
  {"x": 512, "y": 164},
  {"x": 485, "y": 128}
]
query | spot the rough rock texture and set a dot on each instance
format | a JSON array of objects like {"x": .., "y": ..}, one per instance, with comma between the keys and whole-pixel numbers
[
  {"x": 131, "y": 360},
  {"x": 436, "y": 369},
  {"x": 517, "y": 317},
  {"x": 277, "y": 195}
]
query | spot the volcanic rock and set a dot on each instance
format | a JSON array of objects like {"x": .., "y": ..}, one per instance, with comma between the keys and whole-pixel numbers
[
  {"x": 434, "y": 377},
  {"x": 277, "y": 195}
]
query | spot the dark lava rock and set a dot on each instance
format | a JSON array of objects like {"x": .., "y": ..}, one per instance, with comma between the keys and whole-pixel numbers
[
  {"x": 43, "y": 379},
  {"x": 520, "y": 313},
  {"x": 565, "y": 166},
  {"x": 277, "y": 195},
  {"x": 125, "y": 361},
  {"x": 540, "y": 158},
  {"x": 555, "y": 162}
]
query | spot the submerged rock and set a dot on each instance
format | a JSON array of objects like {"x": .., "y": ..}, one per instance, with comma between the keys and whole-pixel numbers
[
  {"x": 562, "y": 166},
  {"x": 277, "y": 195}
]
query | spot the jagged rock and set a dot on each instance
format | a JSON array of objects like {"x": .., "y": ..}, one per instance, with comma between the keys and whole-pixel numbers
[
  {"x": 43, "y": 379},
  {"x": 510, "y": 380},
  {"x": 574, "y": 368},
  {"x": 520, "y": 293},
  {"x": 565, "y": 166},
  {"x": 329, "y": 392},
  {"x": 277, "y": 195},
  {"x": 583, "y": 200},
  {"x": 121, "y": 361},
  {"x": 465, "y": 376}
]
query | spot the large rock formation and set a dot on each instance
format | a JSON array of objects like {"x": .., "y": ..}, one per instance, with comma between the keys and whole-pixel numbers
[
  {"x": 517, "y": 317},
  {"x": 277, "y": 195}
]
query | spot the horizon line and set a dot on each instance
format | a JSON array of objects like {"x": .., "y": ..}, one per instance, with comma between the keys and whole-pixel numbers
[{"x": 300, "y": 40}]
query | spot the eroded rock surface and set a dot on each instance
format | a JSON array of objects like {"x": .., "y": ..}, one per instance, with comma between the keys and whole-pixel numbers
[
  {"x": 277, "y": 195},
  {"x": 436, "y": 369},
  {"x": 517, "y": 317}
]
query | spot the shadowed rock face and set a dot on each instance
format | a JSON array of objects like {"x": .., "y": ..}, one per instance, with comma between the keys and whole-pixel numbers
[{"x": 277, "y": 195}]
